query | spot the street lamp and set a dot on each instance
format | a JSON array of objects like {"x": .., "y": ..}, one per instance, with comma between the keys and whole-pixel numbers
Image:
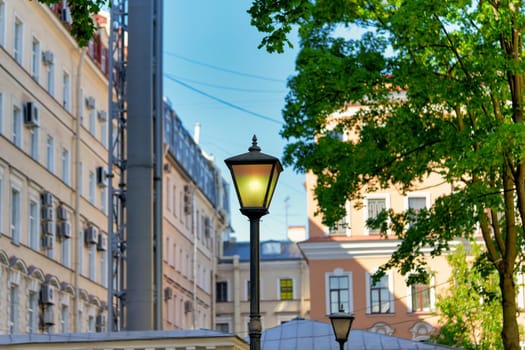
[
  {"x": 254, "y": 175},
  {"x": 341, "y": 323}
]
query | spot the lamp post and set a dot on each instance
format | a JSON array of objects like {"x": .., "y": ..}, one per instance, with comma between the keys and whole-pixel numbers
[
  {"x": 255, "y": 176},
  {"x": 341, "y": 323}
]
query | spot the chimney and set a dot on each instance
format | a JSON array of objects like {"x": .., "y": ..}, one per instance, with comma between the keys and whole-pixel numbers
[{"x": 197, "y": 133}]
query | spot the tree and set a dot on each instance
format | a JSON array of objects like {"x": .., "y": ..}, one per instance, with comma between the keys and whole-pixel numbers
[
  {"x": 470, "y": 312},
  {"x": 82, "y": 27},
  {"x": 457, "y": 68}
]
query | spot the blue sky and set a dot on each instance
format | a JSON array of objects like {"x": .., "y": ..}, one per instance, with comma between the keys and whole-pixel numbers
[{"x": 215, "y": 75}]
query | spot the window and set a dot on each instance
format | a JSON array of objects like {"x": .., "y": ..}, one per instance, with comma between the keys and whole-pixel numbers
[
  {"x": 50, "y": 153},
  {"x": 34, "y": 147},
  {"x": 34, "y": 234},
  {"x": 92, "y": 261},
  {"x": 174, "y": 194},
  {"x": 421, "y": 296},
  {"x": 64, "y": 319},
  {"x": 339, "y": 286},
  {"x": 17, "y": 40},
  {"x": 168, "y": 199},
  {"x": 81, "y": 254},
  {"x": 66, "y": 166},
  {"x": 222, "y": 291},
  {"x": 375, "y": 204},
  {"x": 379, "y": 298},
  {"x": 104, "y": 132},
  {"x": 104, "y": 268},
  {"x": 13, "y": 309},
  {"x": 222, "y": 327},
  {"x": 248, "y": 290},
  {"x": 2, "y": 23},
  {"x": 17, "y": 127},
  {"x": 66, "y": 91},
  {"x": 35, "y": 59},
  {"x": 339, "y": 227},
  {"x": 285, "y": 289},
  {"x": 51, "y": 79},
  {"x": 104, "y": 199},
  {"x": 92, "y": 184},
  {"x": 417, "y": 201},
  {"x": 15, "y": 215},
  {"x": 66, "y": 252},
  {"x": 1, "y": 201},
  {"x": 91, "y": 323},
  {"x": 32, "y": 312}
]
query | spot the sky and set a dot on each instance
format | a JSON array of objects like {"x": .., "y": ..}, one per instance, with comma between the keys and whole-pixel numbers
[{"x": 215, "y": 75}]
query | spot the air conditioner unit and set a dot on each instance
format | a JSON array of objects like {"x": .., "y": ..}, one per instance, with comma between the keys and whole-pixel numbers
[
  {"x": 167, "y": 168},
  {"x": 48, "y": 58},
  {"x": 65, "y": 16},
  {"x": 102, "y": 243},
  {"x": 101, "y": 177},
  {"x": 47, "y": 228},
  {"x": 49, "y": 316},
  {"x": 47, "y": 294},
  {"x": 168, "y": 293},
  {"x": 102, "y": 116},
  {"x": 48, "y": 242},
  {"x": 100, "y": 323},
  {"x": 31, "y": 115},
  {"x": 47, "y": 199},
  {"x": 62, "y": 213},
  {"x": 90, "y": 102},
  {"x": 91, "y": 235},
  {"x": 188, "y": 306},
  {"x": 47, "y": 213},
  {"x": 65, "y": 229}
]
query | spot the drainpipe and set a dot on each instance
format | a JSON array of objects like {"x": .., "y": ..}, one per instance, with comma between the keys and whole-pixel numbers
[
  {"x": 77, "y": 189},
  {"x": 193, "y": 230}
]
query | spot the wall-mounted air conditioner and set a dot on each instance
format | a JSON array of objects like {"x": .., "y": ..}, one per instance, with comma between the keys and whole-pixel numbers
[
  {"x": 90, "y": 102},
  {"x": 31, "y": 115},
  {"x": 102, "y": 243},
  {"x": 102, "y": 116},
  {"x": 62, "y": 213},
  {"x": 102, "y": 180},
  {"x": 65, "y": 229},
  {"x": 49, "y": 316},
  {"x": 188, "y": 306},
  {"x": 167, "y": 168},
  {"x": 47, "y": 294},
  {"x": 47, "y": 228},
  {"x": 48, "y": 242},
  {"x": 48, "y": 58},
  {"x": 47, "y": 199},
  {"x": 47, "y": 213},
  {"x": 168, "y": 293},
  {"x": 91, "y": 235}
]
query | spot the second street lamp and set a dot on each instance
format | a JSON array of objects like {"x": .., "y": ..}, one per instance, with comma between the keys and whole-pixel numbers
[
  {"x": 254, "y": 176},
  {"x": 341, "y": 324}
]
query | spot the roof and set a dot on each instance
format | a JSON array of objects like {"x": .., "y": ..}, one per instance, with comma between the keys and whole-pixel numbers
[
  {"x": 271, "y": 250},
  {"x": 17, "y": 339},
  {"x": 300, "y": 334}
]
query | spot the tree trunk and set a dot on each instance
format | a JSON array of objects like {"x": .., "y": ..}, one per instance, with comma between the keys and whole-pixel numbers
[{"x": 510, "y": 331}]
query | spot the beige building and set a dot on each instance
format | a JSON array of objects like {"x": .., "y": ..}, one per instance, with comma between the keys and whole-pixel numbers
[
  {"x": 284, "y": 283},
  {"x": 196, "y": 213},
  {"x": 53, "y": 147}
]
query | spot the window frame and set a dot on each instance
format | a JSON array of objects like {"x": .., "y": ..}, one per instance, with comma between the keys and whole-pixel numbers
[
  {"x": 65, "y": 171},
  {"x": 2, "y": 23},
  {"x": 14, "y": 309},
  {"x": 338, "y": 272},
  {"x": 221, "y": 286},
  {"x": 15, "y": 213},
  {"x": 374, "y": 196},
  {"x": 35, "y": 58},
  {"x": 389, "y": 288},
  {"x": 431, "y": 297},
  {"x": 280, "y": 291},
  {"x": 17, "y": 134},
  {"x": 33, "y": 228},
  {"x": 66, "y": 90},
  {"x": 18, "y": 39},
  {"x": 50, "y": 153}
]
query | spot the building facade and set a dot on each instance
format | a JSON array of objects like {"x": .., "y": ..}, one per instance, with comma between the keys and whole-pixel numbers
[
  {"x": 196, "y": 213},
  {"x": 343, "y": 258},
  {"x": 53, "y": 145},
  {"x": 284, "y": 283}
]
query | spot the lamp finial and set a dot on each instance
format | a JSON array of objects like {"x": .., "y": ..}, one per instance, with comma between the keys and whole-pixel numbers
[{"x": 254, "y": 147}]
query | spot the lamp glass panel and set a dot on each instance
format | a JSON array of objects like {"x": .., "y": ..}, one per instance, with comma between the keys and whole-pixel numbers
[
  {"x": 275, "y": 177},
  {"x": 252, "y": 183},
  {"x": 341, "y": 326}
]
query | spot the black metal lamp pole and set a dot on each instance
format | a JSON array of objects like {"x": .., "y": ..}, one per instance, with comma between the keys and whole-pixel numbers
[{"x": 255, "y": 176}]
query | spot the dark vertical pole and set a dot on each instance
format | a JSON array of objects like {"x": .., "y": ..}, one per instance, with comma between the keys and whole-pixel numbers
[
  {"x": 255, "y": 327},
  {"x": 140, "y": 91}
]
